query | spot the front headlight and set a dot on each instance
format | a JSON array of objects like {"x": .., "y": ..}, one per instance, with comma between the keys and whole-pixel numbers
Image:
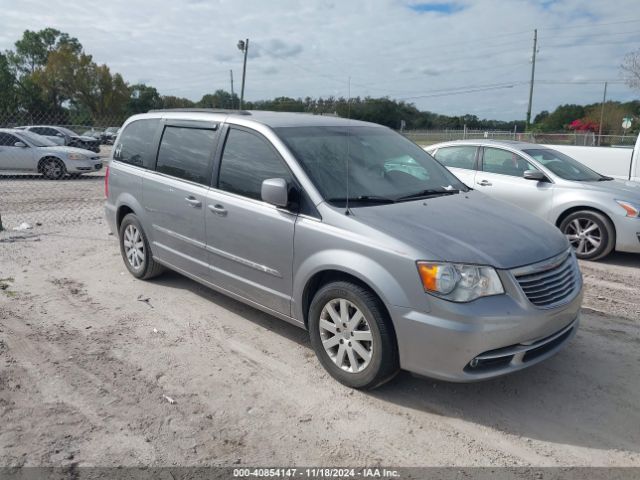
[
  {"x": 459, "y": 282},
  {"x": 77, "y": 156},
  {"x": 632, "y": 209}
]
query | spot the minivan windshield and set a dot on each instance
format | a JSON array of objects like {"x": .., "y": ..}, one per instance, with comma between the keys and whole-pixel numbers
[
  {"x": 564, "y": 166},
  {"x": 383, "y": 166}
]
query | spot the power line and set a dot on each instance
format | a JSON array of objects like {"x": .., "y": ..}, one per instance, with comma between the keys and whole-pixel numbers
[
  {"x": 460, "y": 92},
  {"x": 590, "y": 25}
]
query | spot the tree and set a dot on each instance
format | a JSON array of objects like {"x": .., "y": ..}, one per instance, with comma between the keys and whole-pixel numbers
[
  {"x": 541, "y": 117},
  {"x": 561, "y": 117},
  {"x": 631, "y": 69},
  {"x": 143, "y": 98},
  {"x": 8, "y": 94},
  {"x": 170, "y": 101},
  {"x": 219, "y": 99},
  {"x": 33, "y": 49},
  {"x": 86, "y": 85},
  {"x": 36, "y": 94}
]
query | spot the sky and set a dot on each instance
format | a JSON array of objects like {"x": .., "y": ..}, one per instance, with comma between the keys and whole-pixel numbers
[{"x": 449, "y": 57}]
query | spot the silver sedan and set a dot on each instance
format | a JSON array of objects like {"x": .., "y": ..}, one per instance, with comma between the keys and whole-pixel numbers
[
  {"x": 597, "y": 213},
  {"x": 22, "y": 151}
]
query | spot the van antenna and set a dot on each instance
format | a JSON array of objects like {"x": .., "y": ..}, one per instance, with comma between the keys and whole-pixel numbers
[{"x": 346, "y": 211}]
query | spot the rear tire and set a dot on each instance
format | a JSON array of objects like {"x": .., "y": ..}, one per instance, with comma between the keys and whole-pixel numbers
[
  {"x": 135, "y": 250},
  {"x": 352, "y": 335},
  {"x": 591, "y": 234}
]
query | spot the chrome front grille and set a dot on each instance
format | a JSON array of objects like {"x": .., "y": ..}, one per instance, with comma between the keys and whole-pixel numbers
[{"x": 550, "y": 283}]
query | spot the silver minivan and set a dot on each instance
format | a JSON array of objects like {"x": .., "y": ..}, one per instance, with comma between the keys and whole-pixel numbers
[{"x": 348, "y": 230}]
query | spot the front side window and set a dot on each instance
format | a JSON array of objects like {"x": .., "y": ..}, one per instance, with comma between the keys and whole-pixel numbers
[
  {"x": 247, "y": 161},
  {"x": 186, "y": 153},
  {"x": 457, "y": 157},
  {"x": 135, "y": 145},
  {"x": 564, "y": 166},
  {"x": 504, "y": 162},
  {"x": 366, "y": 164}
]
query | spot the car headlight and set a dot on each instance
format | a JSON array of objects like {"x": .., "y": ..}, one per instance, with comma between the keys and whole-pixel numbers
[
  {"x": 632, "y": 209},
  {"x": 459, "y": 282},
  {"x": 77, "y": 156}
]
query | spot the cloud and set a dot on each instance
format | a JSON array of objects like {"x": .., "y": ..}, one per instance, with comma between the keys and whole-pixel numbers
[
  {"x": 277, "y": 48},
  {"x": 395, "y": 48},
  {"x": 445, "y": 8}
]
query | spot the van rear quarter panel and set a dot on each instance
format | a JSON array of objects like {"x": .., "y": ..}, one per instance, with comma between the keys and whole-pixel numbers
[{"x": 125, "y": 189}]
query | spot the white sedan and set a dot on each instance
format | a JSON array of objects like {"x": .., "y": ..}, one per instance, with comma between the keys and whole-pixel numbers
[{"x": 26, "y": 152}]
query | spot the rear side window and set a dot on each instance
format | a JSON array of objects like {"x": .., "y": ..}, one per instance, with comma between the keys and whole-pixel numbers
[
  {"x": 247, "y": 161},
  {"x": 186, "y": 153},
  {"x": 457, "y": 157},
  {"x": 135, "y": 145}
]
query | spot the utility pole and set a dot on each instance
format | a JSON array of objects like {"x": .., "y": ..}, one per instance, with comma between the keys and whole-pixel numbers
[
  {"x": 232, "y": 100},
  {"x": 243, "y": 45},
  {"x": 604, "y": 99},
  {"x": 533, "y": 72}
]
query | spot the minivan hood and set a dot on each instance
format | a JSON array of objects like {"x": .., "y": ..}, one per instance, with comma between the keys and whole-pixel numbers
[{"x": 467, "y": 228}]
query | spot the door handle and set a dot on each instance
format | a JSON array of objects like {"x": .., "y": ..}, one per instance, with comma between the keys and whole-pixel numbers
[
  {"x": 485, "y": 183},
  {"x": 218, "y": 209},
  {"x": 193, "y": 201}
]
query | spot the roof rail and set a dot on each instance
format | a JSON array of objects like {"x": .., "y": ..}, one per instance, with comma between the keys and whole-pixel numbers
[{"x": 203, "y": 110}]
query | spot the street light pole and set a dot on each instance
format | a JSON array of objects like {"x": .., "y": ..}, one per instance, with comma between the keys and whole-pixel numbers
[
  {"x": 232, "y": 99},
  {"x": 604, "y": 99},
  {"x": 243, "y": 46},
  {"x": 533, "y": 72}
]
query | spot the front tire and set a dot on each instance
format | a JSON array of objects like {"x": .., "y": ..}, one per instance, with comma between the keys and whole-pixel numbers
[
  {"x": 591, "y": 234},
  {"x": 135, "y": 250},
  {"x": 352, "y": 335},
  {"x": 53, "y": 168}
]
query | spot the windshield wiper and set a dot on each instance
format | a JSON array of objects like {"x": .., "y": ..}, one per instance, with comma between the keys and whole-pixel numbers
[
  {"x": 604, "y": 178},
  {"x": 363, "y": 199},
  {"x": 428, "y": 193}
]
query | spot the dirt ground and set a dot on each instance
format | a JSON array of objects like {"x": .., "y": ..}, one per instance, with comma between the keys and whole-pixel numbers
[{"x": 100, "y": 369}]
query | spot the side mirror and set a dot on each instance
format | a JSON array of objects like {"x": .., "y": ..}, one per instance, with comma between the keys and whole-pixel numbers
[
  {"x": 275, "y": 191},
  {"x": 20, "y": 145},
  {"x": 536, "y": 175}
]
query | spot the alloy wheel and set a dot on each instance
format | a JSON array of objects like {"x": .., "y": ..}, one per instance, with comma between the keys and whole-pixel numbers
[
  {"x": 53, "y": 169},
  {"x": 134, "y": 246},
  {"x": 346, "y": 335},
  {"x": 584, "y": 235}
]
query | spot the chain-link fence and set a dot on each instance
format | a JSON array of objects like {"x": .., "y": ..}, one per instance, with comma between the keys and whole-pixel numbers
[
  {"x": 43, "y": 182},
  {"x": 52, "y": 172},
  {"x": 429, "y": 137}
]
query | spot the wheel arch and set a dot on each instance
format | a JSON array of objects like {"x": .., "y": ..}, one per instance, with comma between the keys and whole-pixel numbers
[
  {"x": 579, "y": 208},
  {"x": 587, "y": 208},
  {"x": 125, "y": 204}
]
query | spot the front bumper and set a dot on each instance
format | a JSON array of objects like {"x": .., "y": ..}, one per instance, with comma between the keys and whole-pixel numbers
[
  {"x": 489, "y": 337},
  {"x": 627, "y": 234},
  {"x": 83, "y": 166}
]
